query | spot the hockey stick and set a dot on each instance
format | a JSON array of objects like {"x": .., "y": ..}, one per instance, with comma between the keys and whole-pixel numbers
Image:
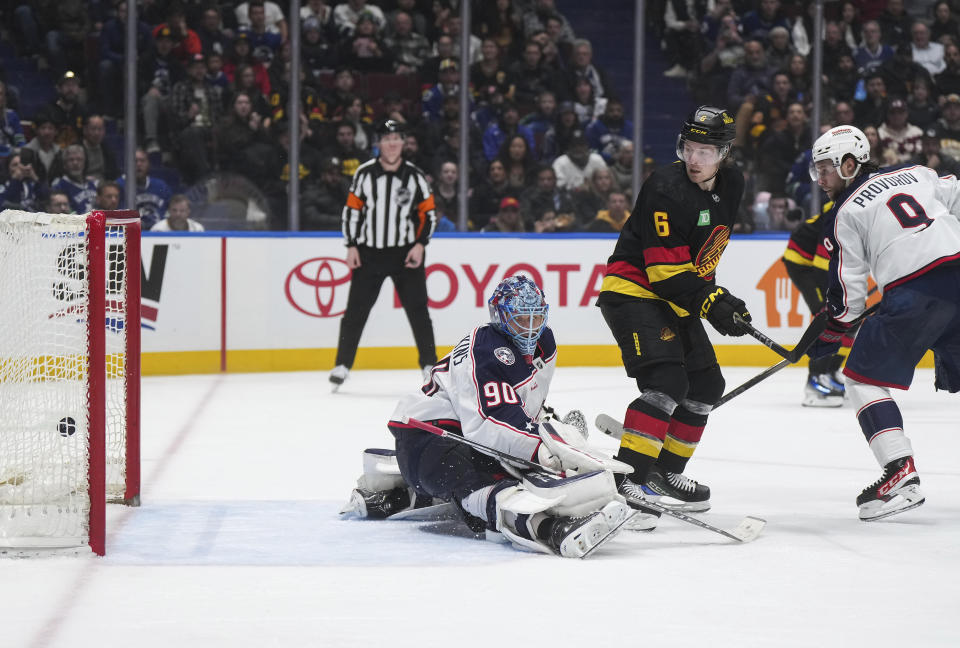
[
  {"x": 733, "y": 393},
  {"x": 748, "y": 529},
  {"x": 440, "y": 432},
  {"x": 809, "y": 336}
]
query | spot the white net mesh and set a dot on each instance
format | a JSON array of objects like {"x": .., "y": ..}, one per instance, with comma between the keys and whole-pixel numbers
[
  {"x": 116, "y": 284},
  {"x": 44, "y": 382}
]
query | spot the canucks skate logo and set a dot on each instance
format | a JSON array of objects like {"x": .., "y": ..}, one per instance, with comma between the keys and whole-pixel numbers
[
  {"x": 710, "y": 253},
  {"x": 504, "y": 355}
]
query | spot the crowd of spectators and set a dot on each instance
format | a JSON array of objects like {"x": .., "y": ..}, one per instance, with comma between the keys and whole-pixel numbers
[
  {"x": 890, "y": 67},
  {"x": 548, "y": 132}
]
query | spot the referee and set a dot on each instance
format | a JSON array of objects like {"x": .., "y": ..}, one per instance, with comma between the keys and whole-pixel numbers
[{"x": 388, "y": 219}]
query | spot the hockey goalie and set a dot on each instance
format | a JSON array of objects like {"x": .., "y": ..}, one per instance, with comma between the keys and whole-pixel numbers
[{"x": 477, "y": 436}]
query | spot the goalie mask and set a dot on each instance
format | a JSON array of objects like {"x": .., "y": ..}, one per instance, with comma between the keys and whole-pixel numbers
[{"x": 518, "y": 309}]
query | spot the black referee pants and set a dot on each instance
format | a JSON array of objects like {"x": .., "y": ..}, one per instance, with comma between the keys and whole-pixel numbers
[{"x": 411, "y": 284}]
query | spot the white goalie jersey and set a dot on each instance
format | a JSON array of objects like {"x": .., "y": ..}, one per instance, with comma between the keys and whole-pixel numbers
[
  {"x": 487, "y": 386},
  {"x": 894, "y": 225}
]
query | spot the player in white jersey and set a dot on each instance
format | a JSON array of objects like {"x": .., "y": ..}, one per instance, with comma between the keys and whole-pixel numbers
[
  {"x": 899, "y": 224},
  {"x": 490, "y": 390}
]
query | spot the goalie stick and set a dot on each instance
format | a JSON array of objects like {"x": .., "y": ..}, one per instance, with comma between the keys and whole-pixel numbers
[{"x": 748, "y": 529}]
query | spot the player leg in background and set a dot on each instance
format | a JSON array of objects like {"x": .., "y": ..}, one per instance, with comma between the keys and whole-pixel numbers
[
  {"x": 493, "y": 501},
  {"x": 648, "y": 334},
  {"x": 921, "y": 314},
  {"x": 365, "y": 287},
  {"x": 411, "y": 284},
  {"x": 823, "y": 387}
]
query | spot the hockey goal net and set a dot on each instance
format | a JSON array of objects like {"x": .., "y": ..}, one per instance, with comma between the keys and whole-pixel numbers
[{"x": 69, "y": 375}]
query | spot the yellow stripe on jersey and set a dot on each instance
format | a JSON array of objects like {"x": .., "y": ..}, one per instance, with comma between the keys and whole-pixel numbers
[
  {"x": 625, "y": 287},
  {"x": 641, "y": 443},
  {"x": 679, "y": 447},
  {"x": 818, "y": 262},
  {"x": 662, "y": 272}
]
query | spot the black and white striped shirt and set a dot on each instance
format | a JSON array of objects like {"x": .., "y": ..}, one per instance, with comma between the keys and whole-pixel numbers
[{"x": 388, "y": 208}]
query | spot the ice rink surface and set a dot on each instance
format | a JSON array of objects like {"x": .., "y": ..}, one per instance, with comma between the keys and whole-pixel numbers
[{"x": 238, "y": 541}]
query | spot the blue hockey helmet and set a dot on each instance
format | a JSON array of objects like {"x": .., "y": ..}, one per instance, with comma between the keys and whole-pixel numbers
[{"x": 518, "y": 309}]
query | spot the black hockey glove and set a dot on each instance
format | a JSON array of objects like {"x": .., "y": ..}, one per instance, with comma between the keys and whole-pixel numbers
[
  {"x": 830, "y": 340},
  {"x": 719, "y": 307}
]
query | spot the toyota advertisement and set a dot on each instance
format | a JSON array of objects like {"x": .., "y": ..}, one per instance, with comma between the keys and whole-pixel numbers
[{"x": 273, "y": 302}]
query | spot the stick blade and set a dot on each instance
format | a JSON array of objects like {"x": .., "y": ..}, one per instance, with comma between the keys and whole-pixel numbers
[
  {"x": 609, "y": 425},
  {"x": 748, "y": 529}
]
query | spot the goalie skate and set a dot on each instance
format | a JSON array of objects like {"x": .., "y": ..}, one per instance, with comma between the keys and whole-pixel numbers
[
  {"x": 578, "y": 537},
  {"x": 677, "y": 492},
  {"x": 897, "y": 490}
]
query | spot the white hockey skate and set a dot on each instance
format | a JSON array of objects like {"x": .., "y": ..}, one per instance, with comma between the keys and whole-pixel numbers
[
  {"x": 823, "y": 391},
  {"x": 337, "y": 377},
  {"x": 578, "y": 537},
  {"x": 897, "y": 490}
]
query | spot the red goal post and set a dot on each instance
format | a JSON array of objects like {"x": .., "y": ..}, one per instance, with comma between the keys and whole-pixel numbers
[{"x": 69, "y": 375}]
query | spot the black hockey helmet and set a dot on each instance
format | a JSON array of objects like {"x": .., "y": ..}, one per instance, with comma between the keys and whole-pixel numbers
[
  {"x": 388, "y": 126},
  {"x": 708, "y": 125}
]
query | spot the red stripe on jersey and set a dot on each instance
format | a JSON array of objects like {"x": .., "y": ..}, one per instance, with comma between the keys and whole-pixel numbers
[
  {"x": 635, "y": 420},
  {"x": 871, "y": 381},
  {"x": 925, "y": 269},
  {"x": 684, "y": 432},
  {"x": 629, "y": 272},
  {"x": 675, "y": 256},
  {"x": 799, "y": 250}
]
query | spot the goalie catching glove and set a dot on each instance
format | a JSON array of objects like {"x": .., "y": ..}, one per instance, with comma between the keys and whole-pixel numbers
[
  {"x": 564, "y": 449},
  {"x": 719, "y": 307}
]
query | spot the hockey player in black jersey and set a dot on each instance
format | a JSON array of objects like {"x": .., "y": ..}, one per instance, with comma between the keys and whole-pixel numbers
[
  {"x": 490, "y": 390},
  {"x": 659, "y": 283},
  {"x": 806, "y": 260}
]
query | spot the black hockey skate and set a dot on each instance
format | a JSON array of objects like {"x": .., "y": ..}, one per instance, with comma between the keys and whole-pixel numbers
[
  {"x": 897, "y": 490},
  {"x": 677, "y": 492}
]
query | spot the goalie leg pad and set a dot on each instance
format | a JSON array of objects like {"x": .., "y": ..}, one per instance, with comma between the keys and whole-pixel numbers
[{"x": 381, "y": 471}]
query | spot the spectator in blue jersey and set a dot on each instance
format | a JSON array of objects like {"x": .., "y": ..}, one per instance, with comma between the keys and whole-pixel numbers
[
  {"x": 873, "y": 52},
  {"x": 215, "y": 75},
  {"x": 22, "y": 190},
  {"x": 153, "y": 194},
  {"x": 504, "y": 128},
  {"x": 449, "y": 85},
  {"x": 81, "y": 190},
  {"x": 606, "y": 132},
  {"x": 758, "y": 23},
  {"x": 543, "y": 123},
  {"x": 11, "y": 132}
]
